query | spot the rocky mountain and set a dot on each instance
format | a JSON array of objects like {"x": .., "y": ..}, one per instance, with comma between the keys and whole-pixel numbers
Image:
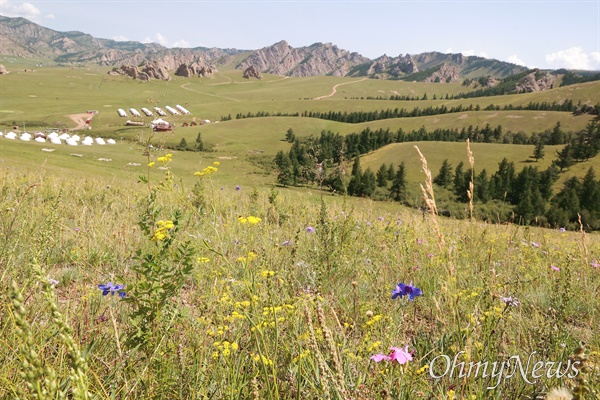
[
  {"x": 25, "y": 39},
  {"x": 317, "y": 59}
]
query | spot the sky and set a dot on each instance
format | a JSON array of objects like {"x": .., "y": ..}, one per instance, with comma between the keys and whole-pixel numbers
[{"x": 536, "y": 34}]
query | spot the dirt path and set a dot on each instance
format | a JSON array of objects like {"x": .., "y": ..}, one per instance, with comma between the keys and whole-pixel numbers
[
  {"x": 335, "y": 89},
  {"x": 79, "y": 120}
]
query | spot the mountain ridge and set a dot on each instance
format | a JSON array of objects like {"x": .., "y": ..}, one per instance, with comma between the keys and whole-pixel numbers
[{"x": 22, "y": 38}]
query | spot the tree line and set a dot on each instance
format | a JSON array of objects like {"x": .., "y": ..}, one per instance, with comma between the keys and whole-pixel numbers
[{"x": 529, "y": 194}]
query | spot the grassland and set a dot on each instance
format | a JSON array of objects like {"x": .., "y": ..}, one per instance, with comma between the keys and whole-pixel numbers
[{"x": 236, "y": 289}]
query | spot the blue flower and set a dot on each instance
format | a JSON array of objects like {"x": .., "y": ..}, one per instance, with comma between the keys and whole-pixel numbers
[
  {"x": 402, "y": 289},
  {"x": 112, "y": 289},
  {"x": 237, "y": 187}
]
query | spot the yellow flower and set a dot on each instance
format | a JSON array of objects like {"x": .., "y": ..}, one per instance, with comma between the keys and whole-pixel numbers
[
  {"x": 206, "y": 171},
  {"x": 267, "y": 274},
  {"x": 165, "y": 159},
  {"x": 251, "y": 256},
  {"x": 217, "y": 163},
  {"x": 253, "y": 220},
  {"x": 151, "y": 164},
  {"x": 203, "y": 259},
  {"x": 165, "y": 224}
]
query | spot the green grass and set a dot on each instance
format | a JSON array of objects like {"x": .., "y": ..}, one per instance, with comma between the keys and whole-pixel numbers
[{"x": 305, "y": 319}]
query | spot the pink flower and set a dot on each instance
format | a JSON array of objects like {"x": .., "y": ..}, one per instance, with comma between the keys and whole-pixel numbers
[
  {"x": 555, "y": 268},
  {"x": 595, "y": 264},
  {"x": 380, "y": 357},
  {"x": 399, "y": 355}
]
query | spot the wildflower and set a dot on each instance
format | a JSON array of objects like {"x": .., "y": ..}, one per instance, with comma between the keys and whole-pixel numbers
[
  {"x": 562, "y": 230},
  {"x": 595, "y": 264},
  {"x": 161, "y": 232},
  {"x": 397, "y": 354},
  {"x": 380, "y": 219},
  {"x": 409, "y": 290},
  {"x": 237, "y": 187},
  {"x": 206, "y": 171},
  {"x": 509, "y": 301},
  {"x": 151, "y": 164},
  {"x": 165, "y": 159},
  {"x": 203, "y": 260},
  {"x": 555, "y": 268},
  {"x": 419, "y": 242},
  {"x": 251, "y": 256},
  {"x": 112, "y": 289},
  {"x": 287, "y": 243},
  {"x": 559, "y": 394},
  {"x": 310, "y": 229},
  {"x": 76, "y": 229},
  {"x": 53, "y": 282},
  {"x": 253, "y": 220},
  {"x": 216, "y": 163},
  {"x": 534, "y": 244},
  {"x": 429, "y": 255}
]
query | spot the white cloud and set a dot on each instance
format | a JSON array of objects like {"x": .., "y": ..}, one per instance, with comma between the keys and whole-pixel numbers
[
  {"x": 483, "y": 54},
  {"x": 182, "y": 43},
  {"x": 50, "y": 16},
  {"x": 574, "y": 58},
  {"x": 449, "y": 50},
  {"x": 158, "y": 38},
  {"x": 25, "y": 10},
  {"x": 120, "y": 38},
  {"x": 469, "y": 52},
  {"x": 516, "y": 60},
  {"x": 162, "y": 40}
]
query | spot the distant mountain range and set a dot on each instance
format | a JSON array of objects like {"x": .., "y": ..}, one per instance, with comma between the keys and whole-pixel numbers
[{"x": 22, "y": 38}]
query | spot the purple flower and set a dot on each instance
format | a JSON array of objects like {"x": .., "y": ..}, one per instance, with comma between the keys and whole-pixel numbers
[
  {"x": 287, "y": 243},
  {"x": 112, "y": 289},
  {"x": 429, "y": 255},
  {"x": 380, "y": 219},
  {"x": 397, "y": 354},
  {"x": 562, "y": 230},
  {"x": 237, "y": 187},
  {"x": 509, "y": 301},
  {"x": 534, "y": 244},
  {"x": 402, "y": 289},
  {"x": 310, "y": 229},
  {"x": 555, "y": 268},
  {"x": 419, "y": 242}
]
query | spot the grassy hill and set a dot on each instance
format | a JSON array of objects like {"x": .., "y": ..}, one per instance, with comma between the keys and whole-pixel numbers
[{"x": 129, "y": 280}]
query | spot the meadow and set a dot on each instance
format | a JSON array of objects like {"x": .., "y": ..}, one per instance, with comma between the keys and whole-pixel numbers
[{"x": 190, "y": 276}]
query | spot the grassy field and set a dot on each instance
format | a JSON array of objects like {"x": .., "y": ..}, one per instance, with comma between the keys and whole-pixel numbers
[{"x": 232, "y": 288}]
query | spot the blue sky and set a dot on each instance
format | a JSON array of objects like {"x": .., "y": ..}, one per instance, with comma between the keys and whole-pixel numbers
[{"x": 543, "y": 34}]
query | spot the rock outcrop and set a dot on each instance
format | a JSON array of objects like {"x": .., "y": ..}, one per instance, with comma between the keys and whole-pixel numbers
[
  {"x": 395, "y": 67},
  {"x": 252, "y": 72},
  {"x": 446, "y": 74},
  {"x": 535, "y": 82},
  {"x": 145, "y": 72},
  {"x": 196, "y": 69},
  {"x": 3, "y": 70}
]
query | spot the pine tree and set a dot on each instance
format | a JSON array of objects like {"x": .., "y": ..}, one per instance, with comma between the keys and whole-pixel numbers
[
  {"x": 444, "y": 177},
  {"x": 289, "y": 136},
  {"x": 538, "y": 151},
  {"x": 391, "y": 173},
  {"x": 369, "y": 183},
  {"x": 382, "y": 174},
  {"x": 398, "y": 189},
  {"x": 199, "y": 142},
  {"x": 355, "y": 186},
  {"x": 285, "y": 175}
]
